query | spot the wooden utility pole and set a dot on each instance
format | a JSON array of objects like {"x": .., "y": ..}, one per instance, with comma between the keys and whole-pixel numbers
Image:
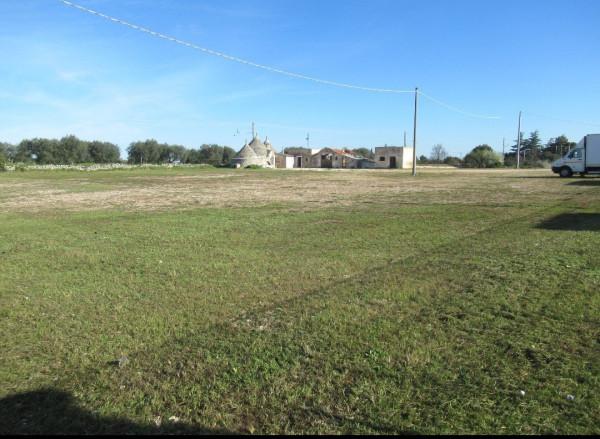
[
  {"x": 519, "y": 143},
  {"x": 414, "y": 171},
  {"x": 405, "y": 139}
]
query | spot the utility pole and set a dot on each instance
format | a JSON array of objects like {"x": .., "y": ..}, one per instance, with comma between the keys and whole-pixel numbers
[
  {"x": 405, "y": 139},
  {"x": 503, "y": 142},
  {"x": 253, "y": 131},
  {"x": 414, "y": 171},
  {"x": 519, "y": 143},
  {"x": 308, "y": 140}
]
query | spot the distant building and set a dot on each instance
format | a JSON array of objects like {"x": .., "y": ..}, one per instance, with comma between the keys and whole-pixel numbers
[
  {"x": 255, "y": 153},
  {"x": 290, "y": 161},
  {"x": 335, "y": 159},
  {"x": 393, "y": 157}
]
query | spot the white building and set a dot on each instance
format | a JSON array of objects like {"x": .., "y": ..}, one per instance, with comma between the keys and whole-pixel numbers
[{"x": 393, "y": 157}]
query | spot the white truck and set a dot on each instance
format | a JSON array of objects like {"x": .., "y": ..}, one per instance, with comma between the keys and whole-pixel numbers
[{"x": 583, "y": 159}]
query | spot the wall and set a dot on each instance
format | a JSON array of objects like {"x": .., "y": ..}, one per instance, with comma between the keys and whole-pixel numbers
[{"x": 403, "y": 157}]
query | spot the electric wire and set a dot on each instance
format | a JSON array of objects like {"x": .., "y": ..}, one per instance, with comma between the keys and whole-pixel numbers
[{"x": 266, "y": 67}]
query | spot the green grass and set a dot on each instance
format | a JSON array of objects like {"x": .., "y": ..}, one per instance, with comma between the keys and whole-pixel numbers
[{"x": 402, "y": 315}]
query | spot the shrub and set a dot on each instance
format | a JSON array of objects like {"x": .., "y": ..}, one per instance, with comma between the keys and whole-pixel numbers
[
  {"x": 483, "y": 156},
  {"x": 2, "y": 163},
  {"x": 254, "y": 167}
]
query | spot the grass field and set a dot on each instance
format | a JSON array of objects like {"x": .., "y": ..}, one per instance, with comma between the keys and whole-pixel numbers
[{"x": 299, "y": 302}]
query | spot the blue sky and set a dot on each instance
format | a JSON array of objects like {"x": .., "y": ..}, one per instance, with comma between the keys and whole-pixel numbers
[{"x": 67, "y": 72}]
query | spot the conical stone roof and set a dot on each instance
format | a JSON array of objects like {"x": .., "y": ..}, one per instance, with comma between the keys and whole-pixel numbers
[
  {"x": 246, "y": 152},
  {"x": 259, "y": 148}
]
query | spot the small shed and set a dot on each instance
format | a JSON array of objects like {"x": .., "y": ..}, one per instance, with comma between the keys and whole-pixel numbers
[{"x": 393, "y": 157}]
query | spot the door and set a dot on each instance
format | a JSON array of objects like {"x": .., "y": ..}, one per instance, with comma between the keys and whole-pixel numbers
[
  {"x": 576, "y": 160},
  {"x": 327, "y": 161},
  {"x": 393, "y": 164}
]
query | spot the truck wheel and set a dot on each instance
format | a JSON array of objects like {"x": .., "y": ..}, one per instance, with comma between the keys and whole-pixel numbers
[{"x": 566, "y": 172}]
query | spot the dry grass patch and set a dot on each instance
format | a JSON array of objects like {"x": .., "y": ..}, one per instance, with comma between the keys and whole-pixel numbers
[{"x": 131, "y": 191}]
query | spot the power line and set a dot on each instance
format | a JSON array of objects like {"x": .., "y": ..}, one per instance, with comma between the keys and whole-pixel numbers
[
  {"x": 458, "y": 110},
  {"x": 229, "y": 57},
  {"x": 265, "y": 67}
]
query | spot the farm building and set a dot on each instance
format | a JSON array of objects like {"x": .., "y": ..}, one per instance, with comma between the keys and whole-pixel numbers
[
  {"x": 338, "y": 158},
  {"x": 393, "y": 157},
  {"x": 332, "y": 158},
  {"x": 290, "y": 161},
  {"x": 255, "y": 153}
]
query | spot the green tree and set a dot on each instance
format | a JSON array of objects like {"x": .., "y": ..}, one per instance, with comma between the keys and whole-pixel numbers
[
  {"x": 103, "y": 152},
  {"x": 453, "y": 161},
  {"x": 148, "y": 151},
  {"x": 39, "y": 151},
  {"x": 557, "y": 147},
  {"x": 516, "y": 145},
  {"x": 8, "y": 151},
  {"x": 173, "y": 153},
  {"x": 483, "y": 156},
  {"x": 228, "y": 155},
  {"x": 531, "y": 148},
  {"x": 214, "y": 155},
  {"x": 71, "y": 150}
]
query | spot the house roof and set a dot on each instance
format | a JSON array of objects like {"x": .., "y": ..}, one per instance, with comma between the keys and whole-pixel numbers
[
  {"x": 258, "y": 147},
  {"x": 338, "y": 152}
]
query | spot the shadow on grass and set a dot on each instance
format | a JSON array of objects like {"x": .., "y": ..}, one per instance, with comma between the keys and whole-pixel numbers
[
  {"x": 50, "y": 411},
  {"x": 573, "y": 221},
  {"x": 586, "y": 182}
]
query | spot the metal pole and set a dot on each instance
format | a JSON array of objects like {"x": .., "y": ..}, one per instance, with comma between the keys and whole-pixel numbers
[
  {"x": 414, "y": 172},
  {"x": 519, "y": 143}
]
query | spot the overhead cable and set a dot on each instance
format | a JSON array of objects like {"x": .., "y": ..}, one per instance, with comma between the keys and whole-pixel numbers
[{"x": 266, "y": 67}]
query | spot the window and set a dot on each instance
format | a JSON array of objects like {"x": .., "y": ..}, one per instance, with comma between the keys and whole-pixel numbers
[
  {"x": 576, "y": 154},
  {"x": 382, "y": 159}
]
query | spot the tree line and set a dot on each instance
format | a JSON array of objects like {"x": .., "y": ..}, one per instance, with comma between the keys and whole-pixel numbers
[
  {"x": 65, "y": 151},
  {"x": 533, "y": 154},
  {"x": 152, "y": 152},
  {"x": 72, "y": 150}
]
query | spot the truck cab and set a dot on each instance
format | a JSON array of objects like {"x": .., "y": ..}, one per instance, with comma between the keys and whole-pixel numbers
[{"x": 583, "y": 159}]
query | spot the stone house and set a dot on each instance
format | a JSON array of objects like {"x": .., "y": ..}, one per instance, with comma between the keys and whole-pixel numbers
[
  {"x": 393, "y": 157},
  {"x": 335, "y": 159},
  {"x": 255, "y": 153}
]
